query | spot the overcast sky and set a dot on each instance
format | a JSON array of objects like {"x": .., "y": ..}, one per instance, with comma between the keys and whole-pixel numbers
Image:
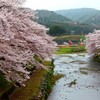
[{"x": 62, "y": 4}]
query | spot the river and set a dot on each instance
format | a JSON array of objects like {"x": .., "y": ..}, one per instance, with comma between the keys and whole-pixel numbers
[{"x": 81, "y": 79}]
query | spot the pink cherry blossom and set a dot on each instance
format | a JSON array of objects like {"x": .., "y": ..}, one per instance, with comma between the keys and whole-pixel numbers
[
  {"x": 20, "y": 39},
  {"x": 93, "y": 42}
]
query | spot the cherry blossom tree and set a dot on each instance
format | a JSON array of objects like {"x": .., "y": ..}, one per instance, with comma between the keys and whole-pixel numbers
[
  {"x": 15, "y": 2},
  {"x": 93, "y": 42},
  {"x": 20, "y": 39}
]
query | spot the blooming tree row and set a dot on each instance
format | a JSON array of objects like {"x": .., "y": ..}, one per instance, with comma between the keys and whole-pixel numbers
[
  {"x": 93, "y": 42},
  {"x": 20, "y": 39}
]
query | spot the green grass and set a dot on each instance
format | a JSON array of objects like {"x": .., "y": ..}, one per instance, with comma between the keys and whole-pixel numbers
[
  {"x": 47, "y": 63},
  {"x": 64, "y": 50},
  {"x": 71, "y": 49},
  {"x": 31, "y": 89}
]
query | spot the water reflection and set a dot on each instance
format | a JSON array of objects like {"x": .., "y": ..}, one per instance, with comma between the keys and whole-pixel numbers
[{"x": 81, "y": 80}]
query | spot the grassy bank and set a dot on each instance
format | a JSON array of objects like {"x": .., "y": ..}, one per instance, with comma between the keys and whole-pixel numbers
[
  {"x": 70, "y": 49},
  {"x": 37, "y": 87},
  {"x": 31, "y": 89}
]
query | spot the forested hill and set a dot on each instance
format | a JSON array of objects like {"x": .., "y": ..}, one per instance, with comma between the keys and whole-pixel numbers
[
  {"x": 60, "y": 25},
  {"x": 46, "y": 17},
  {"x": 83, "y": 15}
]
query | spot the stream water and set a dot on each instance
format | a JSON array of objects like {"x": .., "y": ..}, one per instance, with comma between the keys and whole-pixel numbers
[{"x": 81, "y": 79}]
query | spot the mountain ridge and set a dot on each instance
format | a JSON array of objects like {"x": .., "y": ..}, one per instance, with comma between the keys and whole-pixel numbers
[
  {"x": 82, "y": 15},
  {"x": 51, "y": 16},
  {"x": 61, "y": 25}
]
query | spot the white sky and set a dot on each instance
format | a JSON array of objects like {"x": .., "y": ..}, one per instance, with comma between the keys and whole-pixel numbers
[{"x": 62, "y": 4}]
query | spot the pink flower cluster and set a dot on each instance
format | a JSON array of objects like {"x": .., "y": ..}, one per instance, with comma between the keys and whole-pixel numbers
[
  {"x": 93, "y": 42},
  {"x": 20, "y": 39}
]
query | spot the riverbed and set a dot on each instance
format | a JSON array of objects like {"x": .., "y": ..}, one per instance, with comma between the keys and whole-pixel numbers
[{"x": 81, "y": 79}]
